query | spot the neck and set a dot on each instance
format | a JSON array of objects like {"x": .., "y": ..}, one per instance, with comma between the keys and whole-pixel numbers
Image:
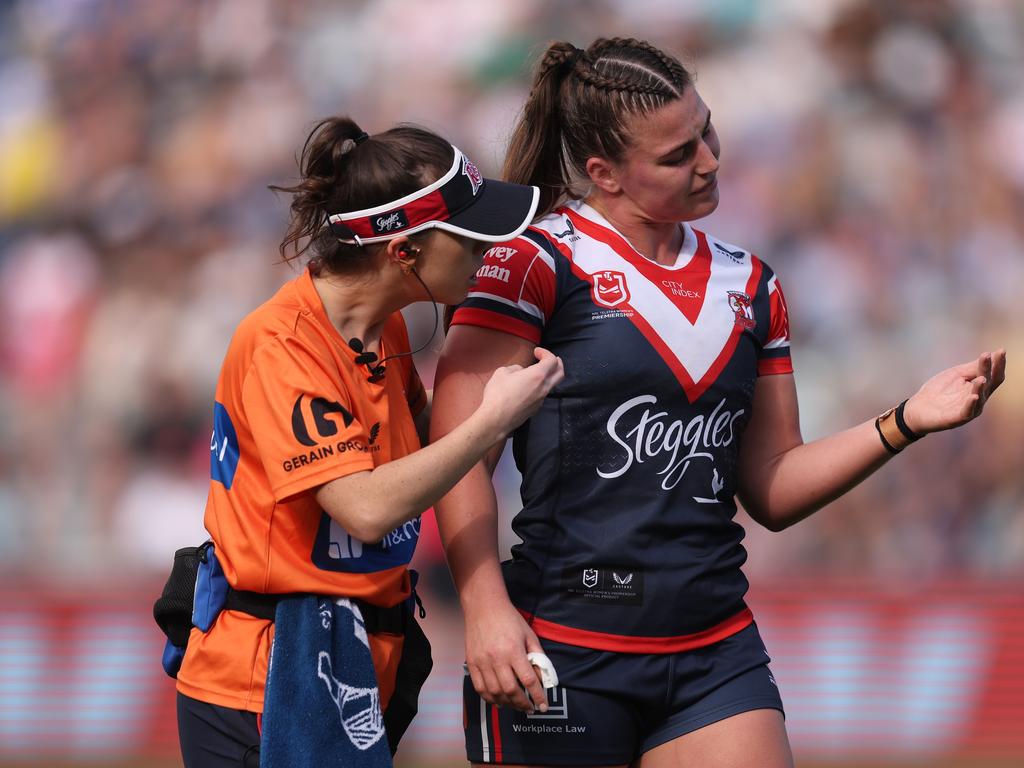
[
  {"x": 358, "y": 305},
  {"x": 655, "y": 240}
]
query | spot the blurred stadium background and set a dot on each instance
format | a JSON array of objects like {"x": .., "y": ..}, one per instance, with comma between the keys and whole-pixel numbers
[{"x": 873, "y": 155}]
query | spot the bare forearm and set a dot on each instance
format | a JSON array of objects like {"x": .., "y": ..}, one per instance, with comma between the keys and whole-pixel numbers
[
  {"x": 369, "y": 504},
  {"x": 803, "y": 479},
  {"x": 467, "y": 518}
]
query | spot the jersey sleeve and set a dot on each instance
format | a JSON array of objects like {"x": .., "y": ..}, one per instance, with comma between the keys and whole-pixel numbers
[
  {"x": 514, "y": 292},
  {"x": 774, "y": 357},
  {"x": 301, "y": 419}
]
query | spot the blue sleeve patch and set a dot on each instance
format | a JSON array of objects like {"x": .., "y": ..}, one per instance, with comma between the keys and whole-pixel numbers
[
  {"x": 336, "y": 550},
  {"x": 223, "y": 447}
]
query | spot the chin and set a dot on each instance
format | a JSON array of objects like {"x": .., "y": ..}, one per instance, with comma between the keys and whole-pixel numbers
[{"x": 705, "y": 208}]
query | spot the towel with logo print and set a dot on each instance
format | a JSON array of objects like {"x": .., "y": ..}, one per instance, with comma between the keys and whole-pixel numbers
[{"x": 322, "y": 703}]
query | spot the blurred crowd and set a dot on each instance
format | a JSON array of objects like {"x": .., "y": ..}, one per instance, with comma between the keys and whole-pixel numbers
[{"x": 873, "y": 155}]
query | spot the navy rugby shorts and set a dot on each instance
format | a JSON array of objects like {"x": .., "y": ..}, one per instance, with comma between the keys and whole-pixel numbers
[{"x": 610, "y": 708}]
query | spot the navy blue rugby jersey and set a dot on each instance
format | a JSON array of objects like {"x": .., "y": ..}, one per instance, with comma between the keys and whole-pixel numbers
[{"x": 629, "y": 468}]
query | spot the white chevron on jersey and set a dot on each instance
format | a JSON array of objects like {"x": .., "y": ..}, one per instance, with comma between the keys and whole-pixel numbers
[{"x": 696, "y": 347}]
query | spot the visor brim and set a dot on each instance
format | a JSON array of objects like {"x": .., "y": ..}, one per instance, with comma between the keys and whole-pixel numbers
[{"x": 502, "y": 211}]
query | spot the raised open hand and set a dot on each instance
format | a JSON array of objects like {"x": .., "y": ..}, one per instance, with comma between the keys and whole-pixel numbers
[{"x": 956, "y": 395}]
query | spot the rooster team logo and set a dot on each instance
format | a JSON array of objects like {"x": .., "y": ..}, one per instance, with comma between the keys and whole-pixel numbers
[
  {"x": 739, "y": 303},
  {"x": 610, "y": 289},
  {"x": 473, "y": 174}
]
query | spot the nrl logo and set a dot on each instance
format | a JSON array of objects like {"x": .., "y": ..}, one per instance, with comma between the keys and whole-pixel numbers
[
  {"x": 609, "y": 289},
  {"x": 590, "y": 577}
]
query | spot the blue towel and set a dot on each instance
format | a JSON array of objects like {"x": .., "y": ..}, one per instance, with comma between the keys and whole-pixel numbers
[{"x": 322, "y": 706}]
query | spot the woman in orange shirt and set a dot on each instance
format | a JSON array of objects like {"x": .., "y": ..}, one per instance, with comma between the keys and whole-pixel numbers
[{"x": 318, "y": 477}]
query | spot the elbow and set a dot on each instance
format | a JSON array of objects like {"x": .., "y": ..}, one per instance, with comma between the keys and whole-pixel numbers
[
  {"x": 361, "y": 524},
  {"x": 763, "y": 516},
  {"x": 774, "y": 525}
]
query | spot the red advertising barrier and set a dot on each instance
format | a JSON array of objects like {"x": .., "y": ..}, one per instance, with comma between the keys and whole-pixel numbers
[{"x": 866, "y": 676}]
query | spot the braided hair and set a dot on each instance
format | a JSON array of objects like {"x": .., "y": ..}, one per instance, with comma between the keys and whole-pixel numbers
[{"x": 579, "y": 106}]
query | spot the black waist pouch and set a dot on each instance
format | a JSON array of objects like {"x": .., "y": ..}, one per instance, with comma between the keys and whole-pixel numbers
[{"x": 173, "y": 609}]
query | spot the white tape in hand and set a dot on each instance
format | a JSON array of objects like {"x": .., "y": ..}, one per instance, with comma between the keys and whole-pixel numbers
[{"x": 548, "y": 676}]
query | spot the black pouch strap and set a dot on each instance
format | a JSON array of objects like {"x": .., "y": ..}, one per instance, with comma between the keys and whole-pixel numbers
[
  {"x": 263, "y": 606},
  {"x": 256, "y": 604}
]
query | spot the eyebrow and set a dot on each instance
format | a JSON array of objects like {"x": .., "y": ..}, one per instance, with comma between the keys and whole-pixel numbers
[{"x": 688, "y": 142}]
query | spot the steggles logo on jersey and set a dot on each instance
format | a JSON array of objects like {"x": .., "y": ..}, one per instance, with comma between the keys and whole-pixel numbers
[
  {"x": 740, "y": 304},
  {"x": 474, "y": 175},
  {"x": 653, "y": 436},
  {"x": 717, "y": 484},
  {"x": 609, "y": 288}
]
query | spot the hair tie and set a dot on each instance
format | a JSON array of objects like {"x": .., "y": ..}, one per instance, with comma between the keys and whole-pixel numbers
[{"x": 361, "y": 137}]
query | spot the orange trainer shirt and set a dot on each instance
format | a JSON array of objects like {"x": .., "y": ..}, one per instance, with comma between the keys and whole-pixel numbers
[{"x": 294, "y": 411}]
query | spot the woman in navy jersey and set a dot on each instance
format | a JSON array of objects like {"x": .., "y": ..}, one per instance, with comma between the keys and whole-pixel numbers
[{"x": 678, "y": 398}]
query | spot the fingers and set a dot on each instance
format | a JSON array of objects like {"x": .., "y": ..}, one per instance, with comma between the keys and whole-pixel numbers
[
  {"x": 998, "y": 370},
  {"x": 550, "y": 365},
  {"x": 976, "y": 400},
  {"x": 500, "y": 685},
  {"x": 531, "y": 680}
]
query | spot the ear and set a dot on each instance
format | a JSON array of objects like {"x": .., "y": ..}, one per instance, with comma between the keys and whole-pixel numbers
[
  {"x": 402, "y": 253},
  {"x": 603, "y": 174}
]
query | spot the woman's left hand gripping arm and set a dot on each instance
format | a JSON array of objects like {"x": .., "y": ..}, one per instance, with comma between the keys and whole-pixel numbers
[{"x": 782, "y": 480}]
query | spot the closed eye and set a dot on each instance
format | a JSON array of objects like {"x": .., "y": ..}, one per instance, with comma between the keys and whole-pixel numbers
[{"x": 683, "y": 154}]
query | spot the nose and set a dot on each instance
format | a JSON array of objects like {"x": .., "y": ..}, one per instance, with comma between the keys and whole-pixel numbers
[{"x": 707, "y": 157}]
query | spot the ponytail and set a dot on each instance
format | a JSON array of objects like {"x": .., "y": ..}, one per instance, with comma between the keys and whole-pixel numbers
[
  {"x": 343, "y": 169},
  {"x": 535, "y": 152}
]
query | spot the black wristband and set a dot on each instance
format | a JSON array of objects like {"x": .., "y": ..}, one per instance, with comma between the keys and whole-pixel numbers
[
  {"x": 881, "y": 437},
  {"x": 908, "y": 433}
]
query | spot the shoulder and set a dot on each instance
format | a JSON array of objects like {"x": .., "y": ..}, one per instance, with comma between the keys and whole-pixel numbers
[
  {"x": 283, "y": 331},
  {"x": 726, "y": 253}
]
